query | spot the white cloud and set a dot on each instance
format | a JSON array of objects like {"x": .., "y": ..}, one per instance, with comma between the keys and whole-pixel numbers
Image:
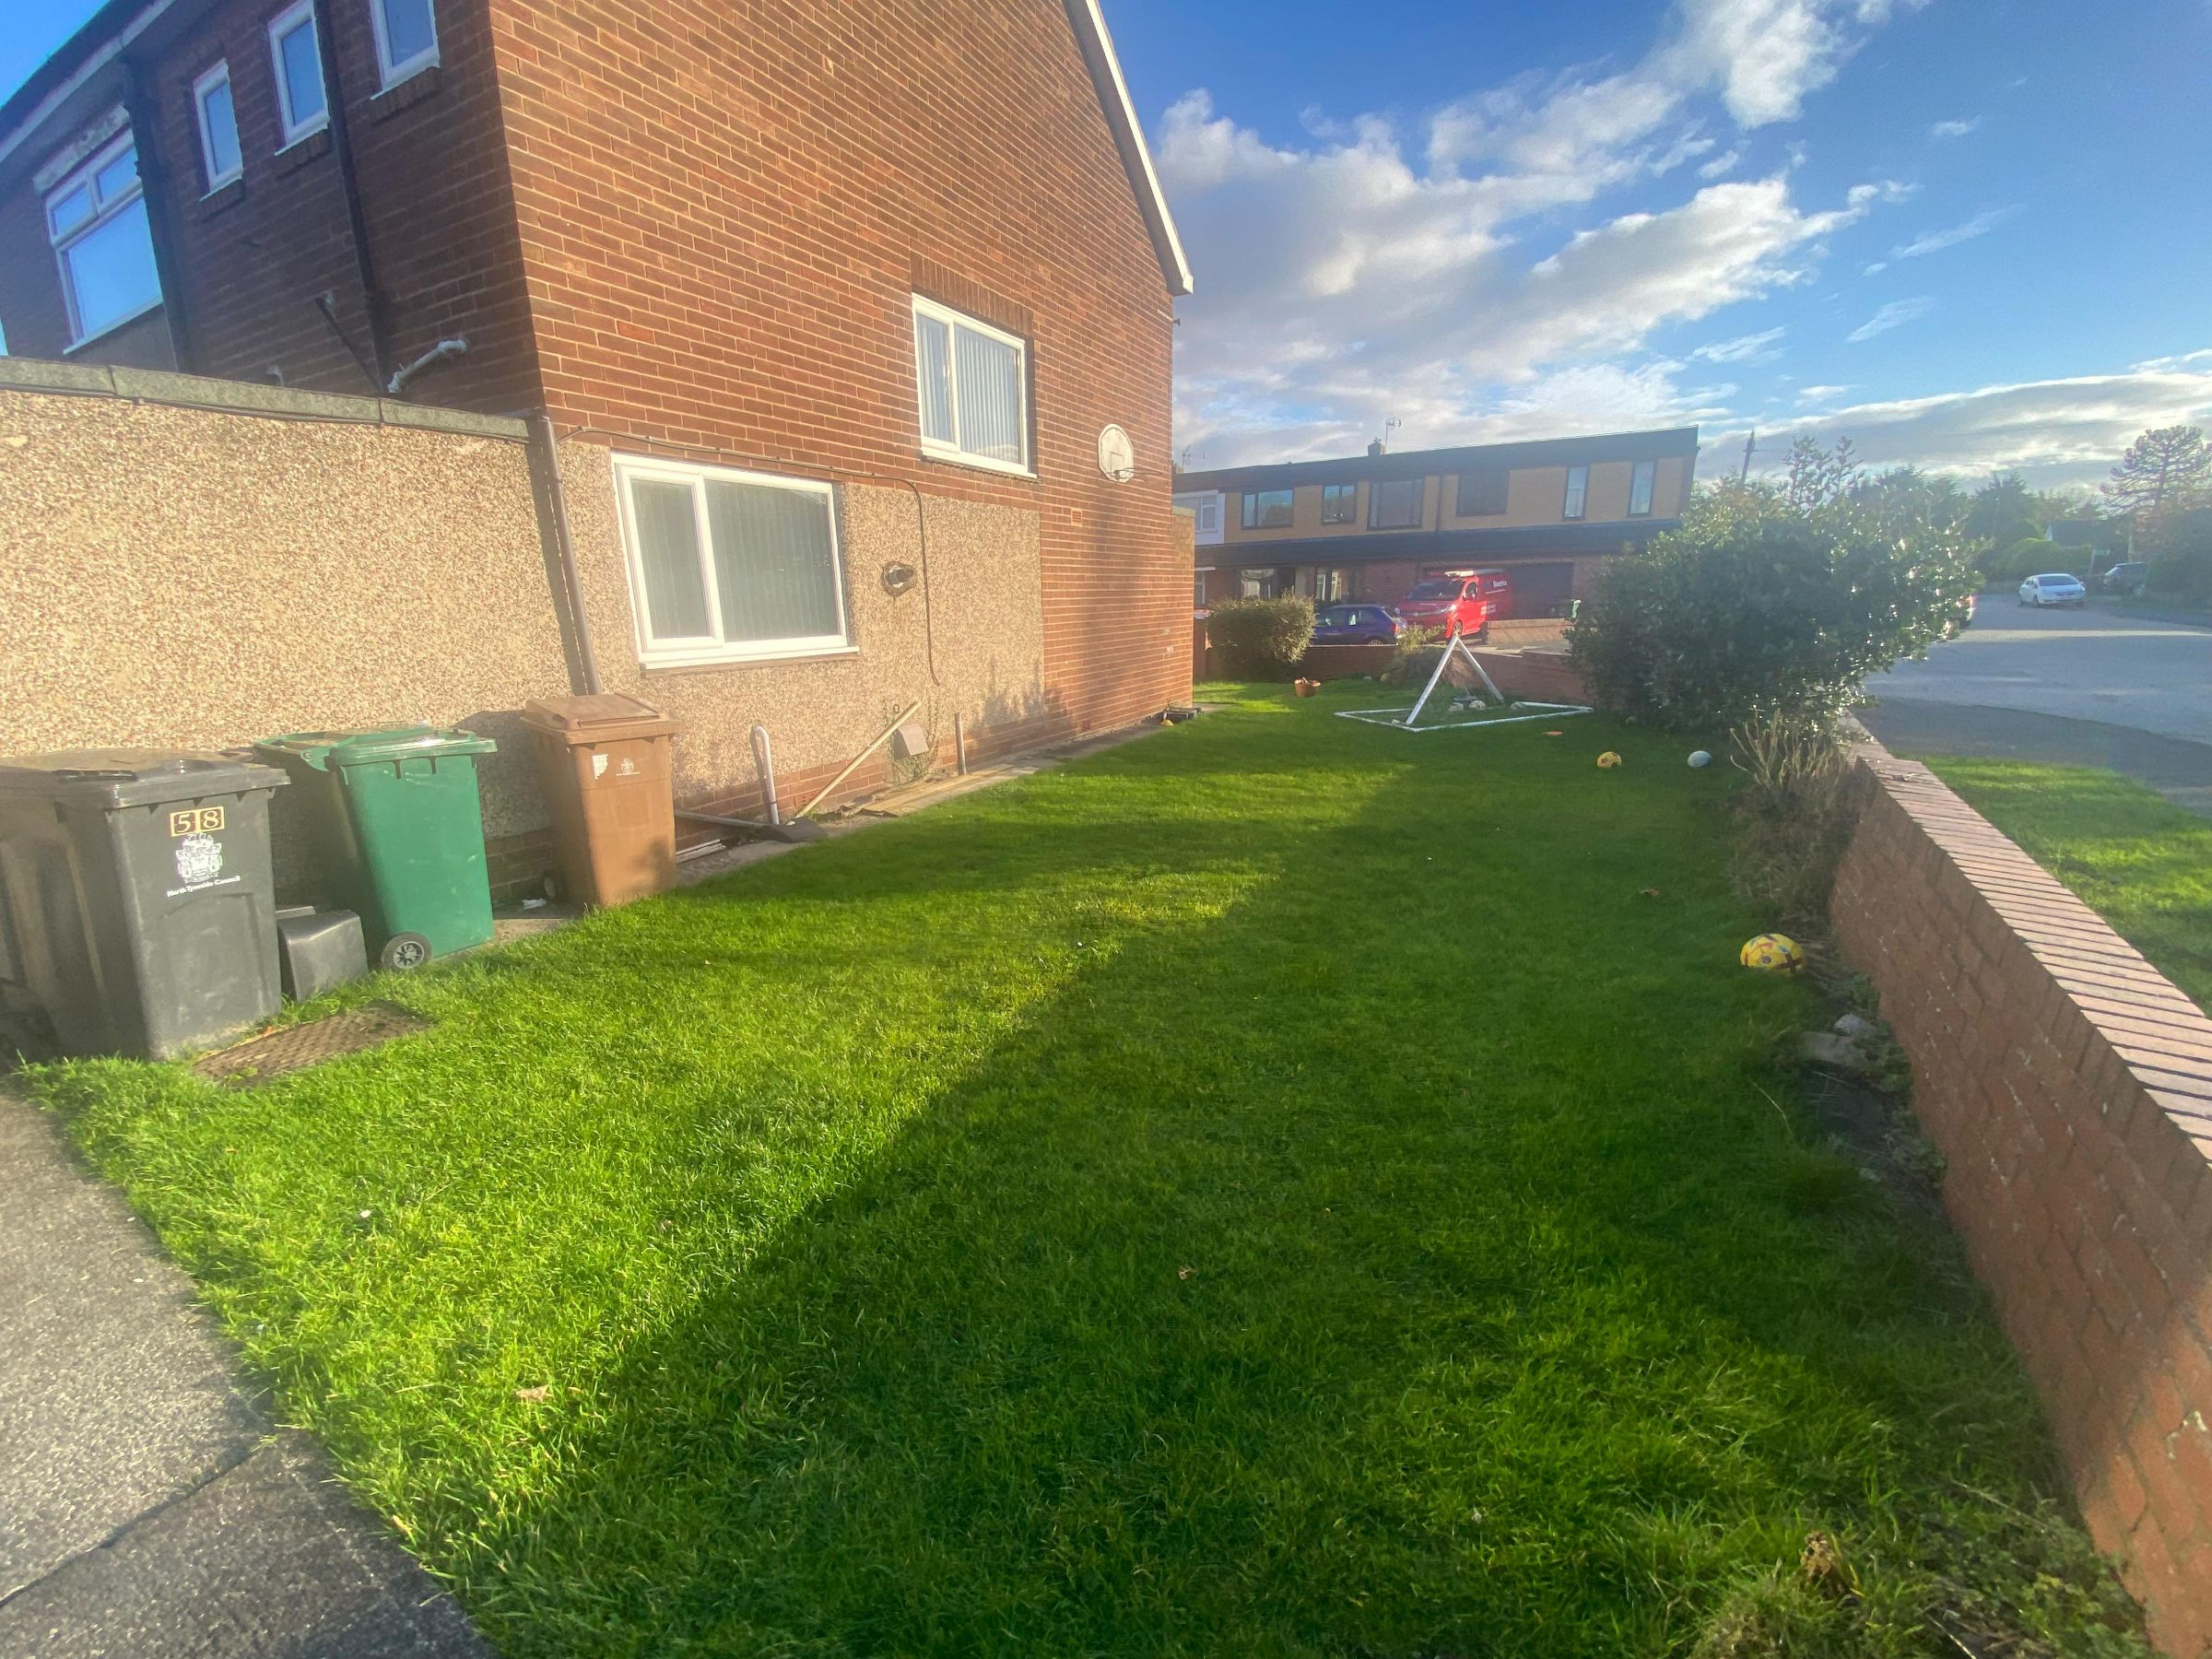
[
  {"x": 2053, "y": 432},
  {"x": 1744, "y": 348},
  {"x": 1873, "y": 268},
  {"x": 1895, "y": 314},
  {"x": 1957, "y": 128},
  {"x": 1821, "y": 394},
  {"x": 1767, "y": 56},
  {"x": 2169, "y": 364},
  {"x": 1934, "y": 241},
  {"x": 1722, "y": 165}
]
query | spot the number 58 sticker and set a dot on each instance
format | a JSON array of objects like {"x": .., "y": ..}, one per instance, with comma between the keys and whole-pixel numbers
[{"x": 196, "y": 820}]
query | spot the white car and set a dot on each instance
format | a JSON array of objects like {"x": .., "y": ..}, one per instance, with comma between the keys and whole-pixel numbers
[{"x": 2056, "y": 589}]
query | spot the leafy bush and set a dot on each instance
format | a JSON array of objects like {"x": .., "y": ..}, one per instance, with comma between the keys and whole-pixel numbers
[
  {"x": 1260, "y": 638},
  {"x": 2180, "y": 563},
  {"x": 1413, "y": 657},
  {"x": 2029, "y": 556},
  {"x": 1759, "y": 604}
]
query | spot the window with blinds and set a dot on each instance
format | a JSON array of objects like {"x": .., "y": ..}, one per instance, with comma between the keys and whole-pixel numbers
[
  {"x": 973, "y": 385},
  {"x": 729, "y": 566}
]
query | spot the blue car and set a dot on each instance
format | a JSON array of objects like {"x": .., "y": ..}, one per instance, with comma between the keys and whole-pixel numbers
[{"x": 1357, "y": 625}]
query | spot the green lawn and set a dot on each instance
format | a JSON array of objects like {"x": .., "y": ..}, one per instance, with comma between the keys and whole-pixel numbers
[
  {"x": 2133, "y": 856},
  {"x": 1279, "y": 1187}
]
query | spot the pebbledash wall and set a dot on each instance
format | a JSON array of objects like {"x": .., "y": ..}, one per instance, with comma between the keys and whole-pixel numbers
[
  {"x": 279, "y": 560},
  {"x": 2069, "y": 1086}
]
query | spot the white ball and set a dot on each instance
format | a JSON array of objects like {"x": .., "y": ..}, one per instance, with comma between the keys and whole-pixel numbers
[{"x": 1700, "y": 758}]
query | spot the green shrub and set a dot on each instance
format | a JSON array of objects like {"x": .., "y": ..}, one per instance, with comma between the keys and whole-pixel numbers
[
  {"x": 1755, "y": 606},
  {"x": 2181, "y": 558},
  {"x": 1413, "y": 657},
  {"x": 1260, "y": 638},
  {"x": 2029, "y": 556}
]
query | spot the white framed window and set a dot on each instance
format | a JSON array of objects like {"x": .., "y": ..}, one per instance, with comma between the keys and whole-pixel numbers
[
  {"x": 1578, "y": 492},
  {"x": 407, "y": 37},
  {"x": 1641, "y": 479},
  {"x": 219, "y": 159},
  {"x": 302, "y": 106},
  {"x": 96, "y": 218},
  {"x": 728, "y": 565},
  {"x": 973, "y": 383}
]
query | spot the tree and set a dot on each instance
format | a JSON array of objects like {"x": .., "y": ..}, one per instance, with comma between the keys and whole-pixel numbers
[
  {"x": 2168, "y": 469},
  {"x": 1817, "y": 477},
  {"x": 1909, "y": 493},
  {"x": 2005, "y": 510}
]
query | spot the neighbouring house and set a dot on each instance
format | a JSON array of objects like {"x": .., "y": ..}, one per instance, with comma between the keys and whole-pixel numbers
[
  {"x": 852, "y": 325},
  {"x": 1370, "y": 526},
  {"x": 2105, "y": 540}
]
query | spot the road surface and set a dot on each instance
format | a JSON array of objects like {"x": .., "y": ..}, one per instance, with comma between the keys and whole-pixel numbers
[
  {"x": 2083, "y": 687},
  {"x": 2155, "y": 676}
]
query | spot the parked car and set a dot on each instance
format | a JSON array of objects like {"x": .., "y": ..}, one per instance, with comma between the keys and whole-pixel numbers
[
  {"x": 2125, "y": 577},
  {"x": 1357, "y": 625},
  {"x": 2056, "y": 588},
  {"x": 1469, "y": 604}
]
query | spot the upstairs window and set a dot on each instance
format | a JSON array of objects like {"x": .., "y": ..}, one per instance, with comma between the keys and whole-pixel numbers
[
  {"x": 220, "y": 160},
  {"x": 973, "y": 384},
  {"x": 1267, "y": 510},
  {"x": 1640, "y": 489},
  {"x": 301, "y": 107},
  {"x": 96, "y": 217},
  {"x": 1338, "y": 502},
  {"x": 1482, "y": 494},
  {"x": 728, "y": 565},
  {"x": 1395, "y": 503},
  {"x": 407, "y": 37},
  {"x": 1578, "y": 492}
]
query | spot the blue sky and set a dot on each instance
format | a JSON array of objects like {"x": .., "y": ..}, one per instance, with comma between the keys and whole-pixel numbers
[{"x": 1971, "y": 233}]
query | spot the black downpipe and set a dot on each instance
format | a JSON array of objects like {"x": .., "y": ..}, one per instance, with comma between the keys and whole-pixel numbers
[
  {"x": 357, "y": 218},
  {"x": 154, "y": 180}
]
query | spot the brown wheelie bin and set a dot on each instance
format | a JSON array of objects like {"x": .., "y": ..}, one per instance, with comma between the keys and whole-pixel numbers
[{"x": 605, "y": 763}]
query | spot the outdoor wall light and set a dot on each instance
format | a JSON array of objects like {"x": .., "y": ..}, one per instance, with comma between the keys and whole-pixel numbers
[{"x": 899, "y": 578}]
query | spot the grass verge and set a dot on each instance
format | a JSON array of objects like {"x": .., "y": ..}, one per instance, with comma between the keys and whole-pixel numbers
[
  {"x": 1282, "y": 1186},
  {"x": 2133, "y": 856}
]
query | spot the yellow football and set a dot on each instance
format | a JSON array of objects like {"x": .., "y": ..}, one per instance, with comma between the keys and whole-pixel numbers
[
  {"x": 1610, "y": 760},
  {"x": 1774, "y": 953}
]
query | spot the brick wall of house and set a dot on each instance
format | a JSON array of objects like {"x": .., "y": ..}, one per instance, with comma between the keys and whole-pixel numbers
[
  {"x": 2069, "y": 1086},
  {"x": 253, "y": 258},
  {"x": 723, "y": 215}
]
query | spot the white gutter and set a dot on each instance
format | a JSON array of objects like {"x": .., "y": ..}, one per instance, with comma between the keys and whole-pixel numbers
[
  {"x": 85, "y": 71},
  {"x": 1132, "y": 134}
]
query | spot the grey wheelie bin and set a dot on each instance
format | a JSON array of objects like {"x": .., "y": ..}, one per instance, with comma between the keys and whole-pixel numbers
[{"x": 137, "y": 912}]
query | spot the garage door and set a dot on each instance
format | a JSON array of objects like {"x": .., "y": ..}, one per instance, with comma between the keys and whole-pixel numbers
[{"x": 1541, "y": 590}]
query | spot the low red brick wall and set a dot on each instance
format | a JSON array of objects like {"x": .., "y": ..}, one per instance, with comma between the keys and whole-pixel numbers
[
  {"x": 1532, "y": 631},
  {"x": 1539, "y": 676},
  {"x": 2069, "y": 1086},
  {"x": 1343, "y": 661}
]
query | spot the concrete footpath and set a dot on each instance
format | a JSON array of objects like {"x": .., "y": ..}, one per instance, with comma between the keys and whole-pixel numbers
[{"x": 148, "y": 1507}]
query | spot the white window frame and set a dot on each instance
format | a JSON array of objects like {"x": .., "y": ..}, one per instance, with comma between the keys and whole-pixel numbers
[
  {"x": 282, "y": 24},
  {"x": 391, "y": 73},
  {"x": 62, "y": 242},
  {"x": 207, "y": 82},
  {"x": 1646, "y": 474},
  {"x": 697, "y": 650},
  {"x": 1577, "y": 502},
  {"x": 940, "y": 449}
]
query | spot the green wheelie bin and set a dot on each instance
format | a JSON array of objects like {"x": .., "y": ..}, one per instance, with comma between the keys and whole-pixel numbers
[{"x": 396, "y": 831}]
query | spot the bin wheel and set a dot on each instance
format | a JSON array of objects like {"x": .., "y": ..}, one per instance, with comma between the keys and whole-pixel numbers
[{"x": 404, "y": 951}]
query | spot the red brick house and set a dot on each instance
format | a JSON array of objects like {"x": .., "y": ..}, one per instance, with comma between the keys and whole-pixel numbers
[{"x": 772, "y": 258}]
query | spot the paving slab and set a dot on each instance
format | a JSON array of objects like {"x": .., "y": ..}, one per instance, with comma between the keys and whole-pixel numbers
[{"x": 148, "y": 1505}]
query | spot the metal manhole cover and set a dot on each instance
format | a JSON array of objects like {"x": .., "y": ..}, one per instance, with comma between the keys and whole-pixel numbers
[{"x": 298, "y": 1047}]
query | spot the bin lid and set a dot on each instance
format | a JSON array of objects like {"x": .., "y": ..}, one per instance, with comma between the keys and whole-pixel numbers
[
  {"x": 132, "y": 777},
  {"x": 365, "y": 746},
  {"x": 600, "y": 718}
]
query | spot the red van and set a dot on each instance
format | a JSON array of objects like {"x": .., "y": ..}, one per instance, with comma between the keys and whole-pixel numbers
[{"x": 1468, "y": 601}]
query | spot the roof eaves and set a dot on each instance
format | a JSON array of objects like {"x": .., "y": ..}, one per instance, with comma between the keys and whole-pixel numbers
[
  {"x": 84, "y": 54},
  {"x": 1129, "y": 137}
]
